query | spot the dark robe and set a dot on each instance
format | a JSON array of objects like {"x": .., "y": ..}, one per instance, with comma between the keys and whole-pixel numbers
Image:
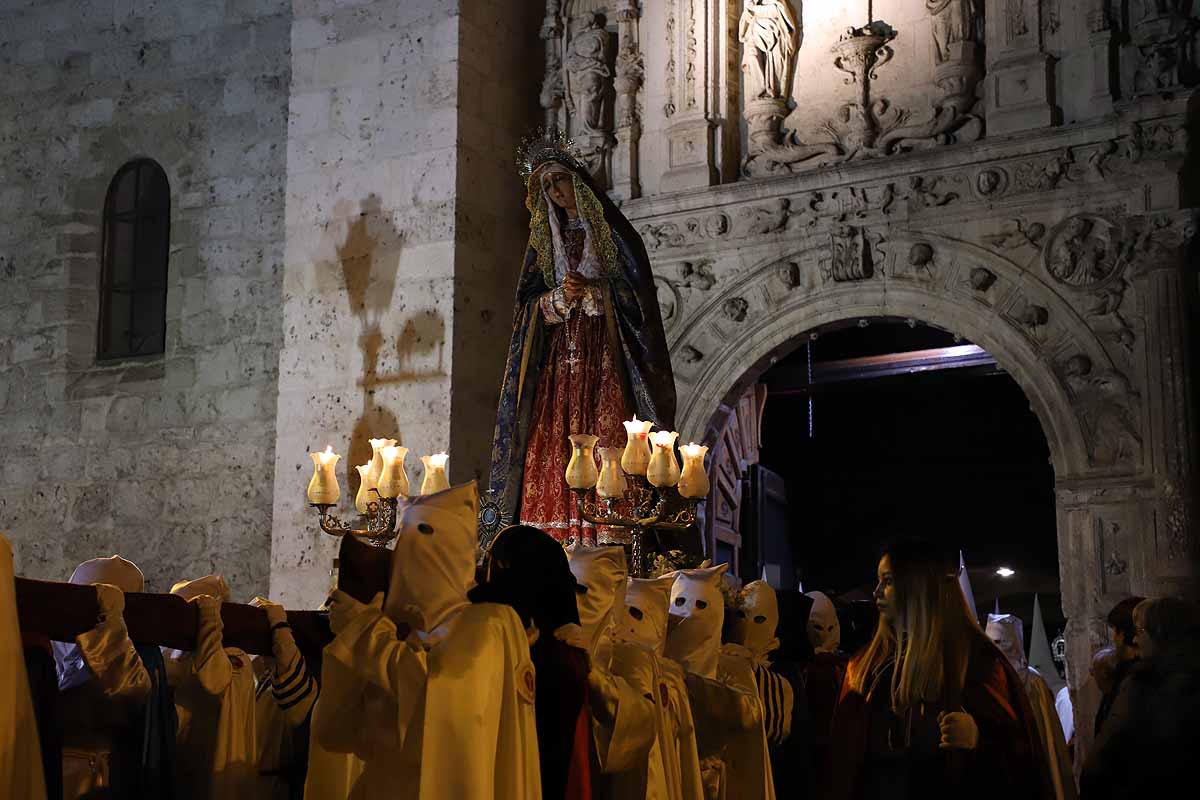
[
  {"x": 643, "y": 348},
  {"x": 869, "y": 758}
]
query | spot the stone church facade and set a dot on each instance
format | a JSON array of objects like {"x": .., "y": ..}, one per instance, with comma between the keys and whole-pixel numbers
[{"x": 346, "y": 227}]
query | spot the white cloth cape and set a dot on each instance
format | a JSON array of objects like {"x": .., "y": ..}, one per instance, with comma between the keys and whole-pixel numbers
[
  {"x": 20, "y": 752},
  {"x": 1050, "y": 732},
  {"x": 447, "y": 716},
  {"x": 747, "y": 754},
  {"x": 217, "y": 752}
]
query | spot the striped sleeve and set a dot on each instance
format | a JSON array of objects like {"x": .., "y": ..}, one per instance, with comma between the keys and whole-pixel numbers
[
  {"x": 776, "y": 701},
  {"x": 294, "y": 689}
]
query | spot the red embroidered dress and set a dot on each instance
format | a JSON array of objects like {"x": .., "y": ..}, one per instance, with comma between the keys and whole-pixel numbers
[{"x": 579, "y": 390}]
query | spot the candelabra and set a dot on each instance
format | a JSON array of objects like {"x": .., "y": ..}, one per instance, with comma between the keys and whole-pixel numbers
[
  {"x": 380, "y": 518},
  {"x": 648, "y": 509},
  {"x": 648, "y": 482},
  {"x": 383, "y": 481}
]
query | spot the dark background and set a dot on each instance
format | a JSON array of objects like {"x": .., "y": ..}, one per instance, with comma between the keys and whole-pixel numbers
[{"x": 954, "y": 455}]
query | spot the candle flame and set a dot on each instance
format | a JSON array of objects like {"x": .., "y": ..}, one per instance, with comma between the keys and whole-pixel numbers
[{"x": 438, "y": 459}]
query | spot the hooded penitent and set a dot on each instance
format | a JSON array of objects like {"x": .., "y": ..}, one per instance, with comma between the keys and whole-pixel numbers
[
  {"x": 757, "y": 620},
  {"x": 601, "y": 573},
  {"x": 824, "y": 630},
  {"x": 445, "y": 709},
  {"x": 1007, "y": 632},
  {"x": 434, "y": 557},
  {"x": 113, "y": 570},
  {"x": 644, "y": 618},
  {"x": 625, "y": 299},
  {"x": 698, "y": 608}
]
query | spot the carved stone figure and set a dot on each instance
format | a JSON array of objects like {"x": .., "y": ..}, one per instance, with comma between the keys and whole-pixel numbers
[
  {"x": 588, "y": 74},
  {"x": 850, "y": 255},
  {"x": 1080, "y": 254},
  {"x": 953, "y": 22},
  {"x": 736, "y": 308},
  {"x": 769, "y": 35},
  {"x": 1107, "y": 408}
]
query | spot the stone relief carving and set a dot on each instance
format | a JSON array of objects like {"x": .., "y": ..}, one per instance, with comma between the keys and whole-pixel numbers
[
  {"x": 1108, "y": 413},
  {"x": 981, "y": 278},
  {"x": 953, "y": 24},
  {"x": 991, "y": 181},
  {"x": 630, "y": 76},
  {"x": 670, "y": 302},
  {"x": 1081, "y": 251},
  {"x": 923, "y": 193},
  {"x": 691, "y": 45},
  {"x": 1017, "y": 233},
  {"x": 1155, "y": 240},
  {"x": 920, "y": 258},
  {"x": 758, "y": 220},
  {"x": 850, "y": 257},
  {"x": 1103, "y": 309},
  {"x": 689, "y": 354},
  {"x": 551, "y": 96},
  {"x": 770, "y": 35},
  {"x": 735, "y": 309},
  {"x": 669, "y": 78},
  {"x": 697, "y": 275},
  {"x": 1163, "y": 45}
]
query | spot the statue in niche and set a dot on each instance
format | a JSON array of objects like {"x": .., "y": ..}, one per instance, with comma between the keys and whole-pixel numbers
[
  {"x": 587, "y": 74},
  {"x": 769, "y": 35},
  {"x": 953, "y": 22},
  {"x": 1108, "y": 412}
]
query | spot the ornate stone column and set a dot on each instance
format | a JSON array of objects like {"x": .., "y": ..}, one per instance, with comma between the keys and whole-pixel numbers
[
  {"x": 1161, "y": 277},
  {"x": 630, "y": 77},
  {"x": 691, "y": 139},
  {"x": 551, "y": 97}
]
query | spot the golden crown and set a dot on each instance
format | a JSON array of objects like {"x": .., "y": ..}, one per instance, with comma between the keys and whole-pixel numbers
[{"x": 543, "y": 146}]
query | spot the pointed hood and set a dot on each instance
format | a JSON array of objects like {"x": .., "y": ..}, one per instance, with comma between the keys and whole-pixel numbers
[
  {"x": 964, "y": 581},
  {"x": 644, "y": 617},
  {"x": 601, "y": 572},
  {"x": 1040, "y": 656},
  {"x": 113, "y": 570},
  {"x": 824, "y": 629},
  {"x": 212, "y": 585},
  {"x": 1007, "y": 632},
  {"x": 433, "y": 564},
  {"x": 757, "y": 619},
  {"x": 697, "y": 614}
]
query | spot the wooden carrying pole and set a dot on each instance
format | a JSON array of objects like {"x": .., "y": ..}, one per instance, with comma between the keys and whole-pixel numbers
[{"x": 62, "y": 611}]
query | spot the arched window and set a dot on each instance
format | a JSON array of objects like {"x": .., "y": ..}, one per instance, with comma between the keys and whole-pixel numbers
[{"x": 133, "y": 279}]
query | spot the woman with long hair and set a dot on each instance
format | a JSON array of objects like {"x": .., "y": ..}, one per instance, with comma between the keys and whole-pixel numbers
[{"x": 930, "y": 705}]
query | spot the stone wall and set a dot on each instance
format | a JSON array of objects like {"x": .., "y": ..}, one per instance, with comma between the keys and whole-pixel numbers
[
  {"x": 405, "y": 229},
  {"x": 167, "y": 459}
]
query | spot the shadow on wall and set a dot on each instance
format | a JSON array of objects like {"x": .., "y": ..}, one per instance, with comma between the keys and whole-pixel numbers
[{"x": 369, "y": 257}]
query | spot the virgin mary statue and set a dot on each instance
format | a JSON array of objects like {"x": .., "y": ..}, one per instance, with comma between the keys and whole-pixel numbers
[{"x": 587, "y": 350}]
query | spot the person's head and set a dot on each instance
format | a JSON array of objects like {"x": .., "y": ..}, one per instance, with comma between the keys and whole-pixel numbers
[
  {"x": 601, "y": 574},
  {"x": 697, "y": 615},
  {"x": 113, "y": 570},
  {"x": 1120, "y": 628},
  {"x": 558, "y": 182},
  {"x": 644, "y": 618},
  {"x": 525, "y": 568},
  {"x": 1161, "y": 623},
  {"x": 924, "y": 625},
  {"x": 433, "y": 562},
  {"x": 756, "y": 618},
  {"x": 1007, "y": 632},
  {"x": 1104, "y": 668},
  {"x": 824, "y": 630}
]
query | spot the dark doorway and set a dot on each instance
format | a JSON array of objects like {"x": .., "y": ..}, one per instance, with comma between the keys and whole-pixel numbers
[{"x": 885, "y": 427}]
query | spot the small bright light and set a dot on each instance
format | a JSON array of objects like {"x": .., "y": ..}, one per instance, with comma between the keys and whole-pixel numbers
[{"x": 1005, "y": 572}]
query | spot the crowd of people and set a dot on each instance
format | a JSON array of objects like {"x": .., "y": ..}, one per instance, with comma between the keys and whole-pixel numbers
[{"x": 534, "y": 670}]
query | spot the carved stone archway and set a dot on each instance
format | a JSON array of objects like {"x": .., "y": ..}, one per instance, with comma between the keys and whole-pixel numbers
[{"x": 1082, "y": 354}]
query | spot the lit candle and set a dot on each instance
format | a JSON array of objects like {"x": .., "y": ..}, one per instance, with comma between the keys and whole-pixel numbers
[
  {"x": 612, "y": 480},
  {"x": 393, "y": 481},
  {"x": 581, "y": 469},
  {"x": 377, "y": 446},
  {"x": 435, "y": 479},
  {"x": 636, "y": 457},
  {"x": 364, "y": 495},
  {"x": 663, "y": 469},
  {"x": 323, "y": 489},
  {"x": 693, "y": 482}
]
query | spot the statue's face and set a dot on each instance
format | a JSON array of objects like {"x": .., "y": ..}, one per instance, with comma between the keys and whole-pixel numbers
[{"x": 560, "y": 188}]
